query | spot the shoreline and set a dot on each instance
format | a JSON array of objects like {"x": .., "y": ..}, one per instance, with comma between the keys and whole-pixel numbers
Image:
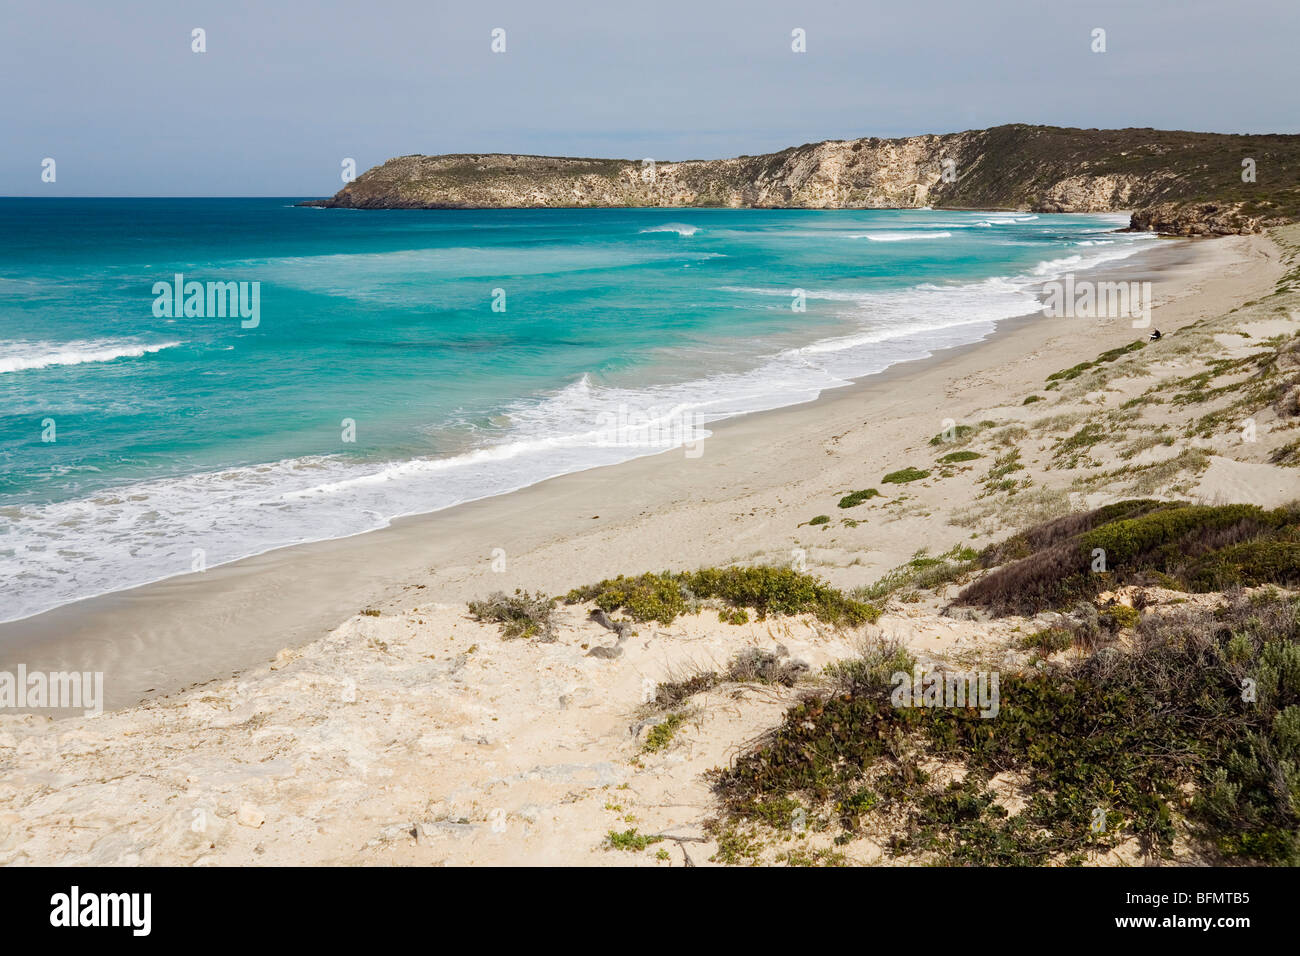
[
  {"x": 159, "y": 638},
  {"x": 399, "y": 505}
]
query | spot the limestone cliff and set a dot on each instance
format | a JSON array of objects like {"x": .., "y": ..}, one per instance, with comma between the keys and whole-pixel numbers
[{"x": 1177, "y": 182}]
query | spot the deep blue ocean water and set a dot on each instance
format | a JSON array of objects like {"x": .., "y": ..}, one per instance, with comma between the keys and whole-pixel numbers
[{"x": 137, "y": 443}]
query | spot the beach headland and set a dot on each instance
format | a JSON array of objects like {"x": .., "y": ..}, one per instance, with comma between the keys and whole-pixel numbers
[{"x": 1171, "y": 181}]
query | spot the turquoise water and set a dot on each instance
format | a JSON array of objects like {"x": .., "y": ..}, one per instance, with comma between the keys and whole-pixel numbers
[{"x": 179, "y": 440}]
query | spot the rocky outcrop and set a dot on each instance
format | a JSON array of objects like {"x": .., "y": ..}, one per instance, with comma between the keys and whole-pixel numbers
[
  {"x": 1175, "y": 182},
  {"x": 1199, "y": 219}
]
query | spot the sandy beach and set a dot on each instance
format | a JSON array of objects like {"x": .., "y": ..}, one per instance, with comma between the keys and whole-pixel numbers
[
  {"x": 282, "y": 725},
  {"x": 744, "y": 498}
]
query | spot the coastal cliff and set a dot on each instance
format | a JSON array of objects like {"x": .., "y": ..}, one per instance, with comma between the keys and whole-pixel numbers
[{"x": 1173, "y": 182}]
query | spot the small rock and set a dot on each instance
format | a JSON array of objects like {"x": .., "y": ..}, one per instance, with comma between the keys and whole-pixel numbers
[
  {"x": 250, "y": 816},
  {"x": 426, "y": 833}
]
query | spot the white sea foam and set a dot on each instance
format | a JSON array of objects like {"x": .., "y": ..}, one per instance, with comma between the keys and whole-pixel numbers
[
  {"x": 1078, "y": 263},
  {"x": 900, "y": 236},
  {"x": 22, "y": 356},
  {"x": 681, "y": 228}
]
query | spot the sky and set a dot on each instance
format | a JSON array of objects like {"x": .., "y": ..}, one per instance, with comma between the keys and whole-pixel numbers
[{"x": 285, "y": 91}]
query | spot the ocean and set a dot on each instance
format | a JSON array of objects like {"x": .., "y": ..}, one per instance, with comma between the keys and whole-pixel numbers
[{"x": 361, "y": 366}]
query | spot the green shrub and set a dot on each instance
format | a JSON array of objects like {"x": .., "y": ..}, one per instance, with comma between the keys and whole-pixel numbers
[
  {"x": 630, "y": 841},
  {"x": 1108, "y": 356},
  {"x": 780, "y": 591},
  {"x": 820, "y": 519},
  {"x": 755, "y": 666},
  {"x": 923, "y": 572},
  {"x": 1288, "y": 454},
  {"x": 1183, "y": 547},
  {"x": 1247, "y": 564},
  {"x": 661, "y": 734},
  {"x": 956, "y": 456},
  {"x": 904, "y": 475},
  {"x": 1049, "y": 641},
  {"x": 1117, "y": 617},
  {"x": 1073, "y": 446},
  {"x": 1164, "y": 532},
  {"x": 520, "y": 615},
  {"x": 647, "y": 597},
  {"x": 767, "y": 590},
  {"x": 672, "y": 694},
  {"x": 855, "y": 498},
  {"x": 871, "y": 669},
  {"x": 1004, "y": 465},
  {"x": 957, "y": 433}
]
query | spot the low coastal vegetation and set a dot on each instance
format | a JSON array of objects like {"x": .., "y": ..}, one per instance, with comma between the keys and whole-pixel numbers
[
  {"x": 904, "y": 475},
  {"x": 855, "y": 498},
  {"x": 662, "y": 733},
  {"x": 663, "y": 597},
  {"x": 958, "y": 433},
  {"x": 1193, "y": 732},
  {"x": 1075, "y": 371},
  {"x": 766, "y": 590},
  {"x": 1196, "y": 548},
  {"x": 520, "y": 615},
  {"x": 630, "y": 841},
  {"x": 1181, "y": 417},
  {"x": 922, "y": 573},
  {"x": 1184, "y": 734},
  {"x": 750, "y": 666}
]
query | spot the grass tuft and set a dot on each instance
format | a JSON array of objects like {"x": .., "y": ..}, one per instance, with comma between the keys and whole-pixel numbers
[{"x": 520, "y": 615}]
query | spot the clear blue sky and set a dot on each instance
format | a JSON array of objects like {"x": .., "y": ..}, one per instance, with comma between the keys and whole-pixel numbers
[{"x": 286, "y": 90}]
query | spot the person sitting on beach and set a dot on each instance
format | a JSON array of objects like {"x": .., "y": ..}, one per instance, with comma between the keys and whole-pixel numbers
[{"x": 1155, "y": 334}]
